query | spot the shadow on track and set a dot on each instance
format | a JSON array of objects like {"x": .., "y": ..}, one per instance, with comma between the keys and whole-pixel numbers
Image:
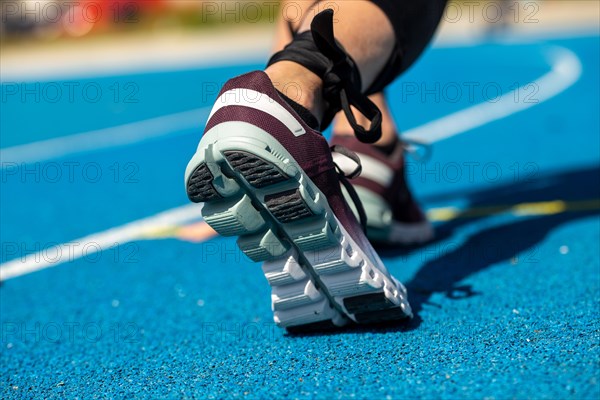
[
  {"x": 500, "y": 243},
  {"x": 490, "y": 246}
]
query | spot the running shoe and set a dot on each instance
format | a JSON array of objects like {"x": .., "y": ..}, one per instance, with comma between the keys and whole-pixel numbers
[
  {"x": 268, "y": 178},
  {"x": 393, "y": 215}
]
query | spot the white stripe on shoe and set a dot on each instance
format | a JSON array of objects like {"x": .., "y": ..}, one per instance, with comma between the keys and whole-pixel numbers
[{"x": 258, "y": 101}]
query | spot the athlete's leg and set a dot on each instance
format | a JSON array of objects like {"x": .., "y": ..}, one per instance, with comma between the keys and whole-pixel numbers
[
  {"x": 294, "y": 13},
  {"x": 369, "y": 48}
]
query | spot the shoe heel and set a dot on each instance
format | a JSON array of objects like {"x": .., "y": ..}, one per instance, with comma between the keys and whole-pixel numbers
[{"x": 233, "y": 217}]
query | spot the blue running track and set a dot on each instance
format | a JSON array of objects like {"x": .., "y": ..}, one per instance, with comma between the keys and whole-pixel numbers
[{"x": 507, "y": 298}]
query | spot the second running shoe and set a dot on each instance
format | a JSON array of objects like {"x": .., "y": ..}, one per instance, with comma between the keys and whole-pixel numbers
[{"x": 393, "y": 215}]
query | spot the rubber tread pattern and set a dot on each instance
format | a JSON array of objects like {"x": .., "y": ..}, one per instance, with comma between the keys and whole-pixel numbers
[
  {"x": 288, "y": 206},
  {"x": 199, "y": 186},
  {"x": 255, "y": 170},
  {"x": 378, "y": 316},
  {"x": 367, "y": 302}
]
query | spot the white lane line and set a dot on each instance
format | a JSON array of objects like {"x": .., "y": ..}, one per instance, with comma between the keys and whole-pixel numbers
[
  {"x": 566, "y": 70},
  {"x": 120, "y": 135},
  {"x": 102, "y": 241}
]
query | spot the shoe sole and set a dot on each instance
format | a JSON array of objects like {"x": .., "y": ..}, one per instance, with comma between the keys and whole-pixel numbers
[{"x": 253, "y": 188}]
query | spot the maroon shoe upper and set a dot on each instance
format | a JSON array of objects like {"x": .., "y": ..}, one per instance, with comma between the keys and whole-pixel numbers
[{"x": 310, "y": 150}]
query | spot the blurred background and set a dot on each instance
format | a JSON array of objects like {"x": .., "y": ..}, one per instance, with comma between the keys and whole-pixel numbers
[
  {"x": 49, "y": 40},
  {"x": 104, "y": 35}
]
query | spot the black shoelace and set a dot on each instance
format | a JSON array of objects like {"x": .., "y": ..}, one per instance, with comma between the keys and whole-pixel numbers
[
  {"x": 342, "y": 83},
  {"x": 343, "y": 177}
]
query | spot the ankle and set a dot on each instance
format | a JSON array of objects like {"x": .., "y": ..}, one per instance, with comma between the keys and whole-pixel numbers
[{"x": 298, "y": 84}]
